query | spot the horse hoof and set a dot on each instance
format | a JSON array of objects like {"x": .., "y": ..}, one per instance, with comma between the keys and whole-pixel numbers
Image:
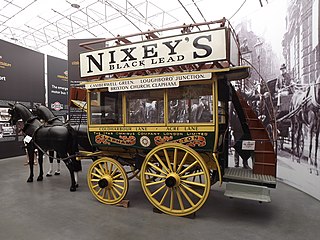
[
  {"x": 30, "y": 180},
  {"x": 73, "y": 189},
  {"x": 57, "y": 173},
  {"x": 40, "y": 178},
  {"x": 49, "y": 175}
]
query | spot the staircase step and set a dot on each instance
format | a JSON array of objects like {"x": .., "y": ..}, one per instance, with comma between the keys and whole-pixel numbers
[
  {"x": 258, "y": 134},
  {"x": 263, "y": 146},
  {"x": 264, "y": 169},
  {"x": 254, "y": 123},
  {"x": 264, "y": 151},
  {"x": 264, "y": 158}
]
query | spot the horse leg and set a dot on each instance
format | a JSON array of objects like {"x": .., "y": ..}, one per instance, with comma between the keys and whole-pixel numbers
[
  {"x": 30, "y": 152},
  {"x": 70, "y": 167},
  {"x": 300, "y": 135},
  {"x": 40, "y": 160},
  {"x": 293, "y": 129},
  {"x": 310, "y": 144},
  {"x": 316, "y": 148},
  {"x": 49, "y": 173},
  {"x": 57, "y": 172}
]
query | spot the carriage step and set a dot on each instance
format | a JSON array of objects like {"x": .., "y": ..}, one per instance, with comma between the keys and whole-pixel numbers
[
  {"x": 247, "y": 191},
  {"x": 247, "y": 176}
]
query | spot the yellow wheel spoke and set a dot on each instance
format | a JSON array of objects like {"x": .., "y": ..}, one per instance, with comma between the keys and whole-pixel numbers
[
  {"x": 113, "y": 194},
  {"x": 167, "y": 159},
  {"x": 192, "y": 191},
  {"x": 155, "y": 183},
  {"x": 194, "y": 183},
  {"x": 98, "y": 171},
  {"x": 104, "y": 193},
  {"x": 175, "y": 159},
  {"x": 182, "y": 162},
  {"x": 117, "y": 191},
  {"x": 109, "y": 194},
  {"x": 189, "y": 167},
  {"x": 96, "y": 175},
  {"x": 118, "y": 186},
  {"x": 186, "y": 196},
  {"x": 171, "y": 199},
  {"x": 118, "y": 181},
  {"x": 162, "y": 164},
  {"x": 99, "y": 191},
  {"x": 157, "y": 191},
  {"x": 157, "y": 168},
  {"x": 94, "y": 186},
  {"x": 180, "y": 199},
  {"x": 192, "y": 175},
  {"x": 94, "y": 180},
  {"x": 116, "y": 176},
  {"x": 101, "y": 168},
  {"x": 106, "y": 167},
  {"x": 111, "y": 166},
  {"x": 154, "y": 175},
  {"x": 164, "y": 196},
  {"x": 114, "y": 172}
]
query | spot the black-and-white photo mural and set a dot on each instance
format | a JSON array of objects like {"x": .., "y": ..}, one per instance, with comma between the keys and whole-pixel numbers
[{"x": 281, "y": 43}]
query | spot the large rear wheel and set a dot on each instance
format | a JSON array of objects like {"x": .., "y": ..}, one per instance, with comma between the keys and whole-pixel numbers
[
  {"x": 107, "y": 181},
  {"x": 180, "y": 179}
]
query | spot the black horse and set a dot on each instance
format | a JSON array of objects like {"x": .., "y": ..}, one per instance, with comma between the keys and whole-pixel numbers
[{"x": 46, "y": 137}]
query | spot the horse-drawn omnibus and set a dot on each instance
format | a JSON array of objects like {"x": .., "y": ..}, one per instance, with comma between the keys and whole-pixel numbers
[{"x": 158, "y": 110}]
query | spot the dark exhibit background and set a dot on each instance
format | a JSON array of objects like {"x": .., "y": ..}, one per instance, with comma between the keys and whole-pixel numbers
[
  {"x": 21, "y": 79},
  {"x": 57, "y": 87}
]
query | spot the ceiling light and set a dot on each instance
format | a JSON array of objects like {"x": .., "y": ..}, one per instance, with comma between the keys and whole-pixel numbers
[{"x": 74, "y": 5}]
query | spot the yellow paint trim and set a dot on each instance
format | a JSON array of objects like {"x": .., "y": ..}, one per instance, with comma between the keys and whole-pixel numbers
[
  {"x": 218, "y": 167},
  {"x": 151, "y": 128},
  {"x": 216, "y": 116}
]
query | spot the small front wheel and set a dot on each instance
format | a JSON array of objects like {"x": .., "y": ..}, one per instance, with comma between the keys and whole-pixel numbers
[{"x": 107, "y": 181}]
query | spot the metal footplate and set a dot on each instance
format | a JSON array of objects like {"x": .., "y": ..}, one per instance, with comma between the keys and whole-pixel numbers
[
  {"x": 247, "y": 191},
  {"x": 242, "y": 183}
]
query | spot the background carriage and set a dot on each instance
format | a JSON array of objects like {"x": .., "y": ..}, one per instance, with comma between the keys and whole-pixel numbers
[
  {"x": 281, "y": 103},
  {"x": 297, "y": 116}
]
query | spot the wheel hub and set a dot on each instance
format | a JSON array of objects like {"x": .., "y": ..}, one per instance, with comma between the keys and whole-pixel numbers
[
  {"x": 172, "y": 180},
  {"x": 105, "y": 181}
]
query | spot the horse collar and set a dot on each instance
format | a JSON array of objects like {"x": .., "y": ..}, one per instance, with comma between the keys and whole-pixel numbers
[
  {"x": 52, "y": 119},
  {"x": 30, "y": 119}
]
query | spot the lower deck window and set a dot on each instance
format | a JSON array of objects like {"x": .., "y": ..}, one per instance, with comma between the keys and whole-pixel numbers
[
  {"x": 145, "y": 106},
  {"x": 190, "y": 104},
  {"x": 105, "y": 108}
]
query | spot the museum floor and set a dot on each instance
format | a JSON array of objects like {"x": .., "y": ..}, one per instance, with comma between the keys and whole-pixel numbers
[{"x": 47, "y": 210}]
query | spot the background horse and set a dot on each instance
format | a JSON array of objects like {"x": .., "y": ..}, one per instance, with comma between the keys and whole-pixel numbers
[
  {"x": 48, "y": 117},
  {"x": 56, "y": 138},
  {"x": 305, "y": 105},
  {"x": 314, "y": 116}
]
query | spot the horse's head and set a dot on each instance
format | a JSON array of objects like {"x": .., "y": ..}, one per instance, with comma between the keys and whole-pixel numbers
[{"x": 14, "y": 114}]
